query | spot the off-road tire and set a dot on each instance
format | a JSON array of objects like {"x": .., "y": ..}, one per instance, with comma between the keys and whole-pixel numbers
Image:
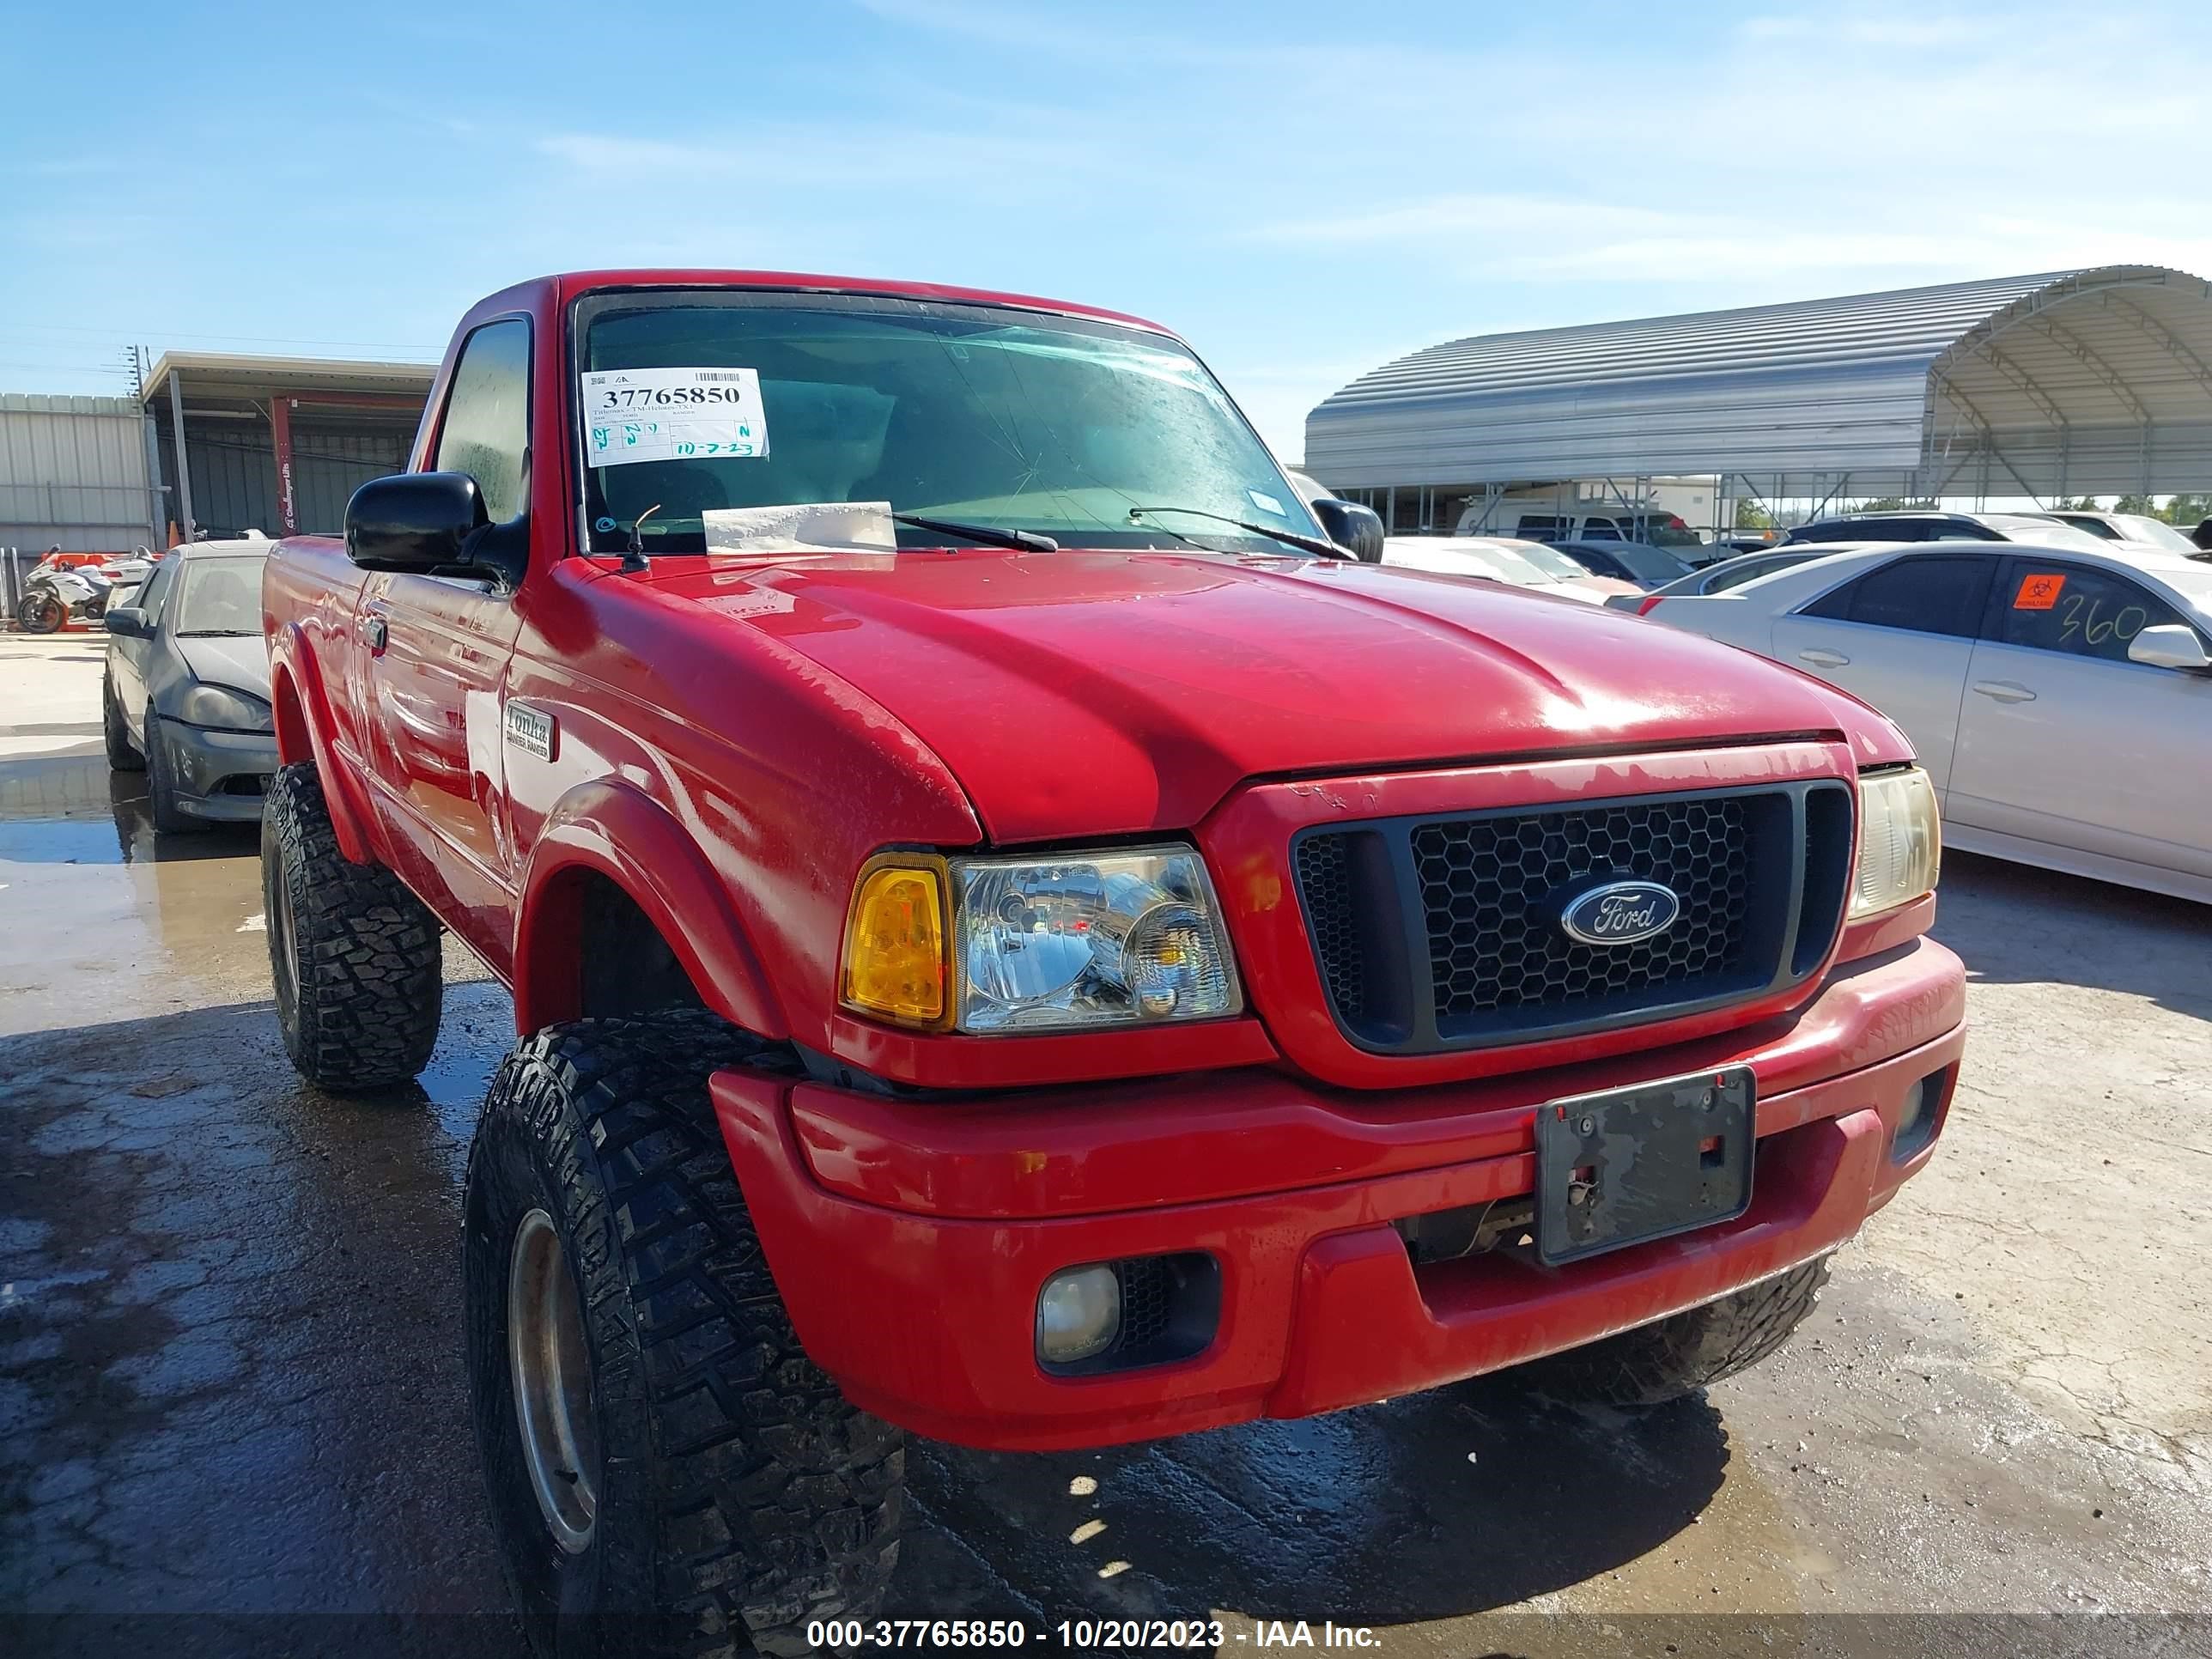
[
  {"x": 41, "y": 612},
  {"x": 355, "y": 956},
  {"x": 739, "y": 1496},
  {"x": 121, "y": 756},
  {"x": 169, "y": 818},
  {"x": 1676, "y": 1355}
]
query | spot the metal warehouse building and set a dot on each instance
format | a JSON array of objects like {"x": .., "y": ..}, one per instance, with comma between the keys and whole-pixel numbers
[
  {"x": 277, "y": 444},
  {"x": 2068, "y": 383}
]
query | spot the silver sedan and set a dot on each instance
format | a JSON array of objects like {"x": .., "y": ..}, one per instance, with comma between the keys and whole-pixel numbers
[{"x": 2060, "y": 698}]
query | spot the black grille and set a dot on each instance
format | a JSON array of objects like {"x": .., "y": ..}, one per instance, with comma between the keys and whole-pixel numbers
[
  {"x": 1444, "y": 933},
  {"x": 1146, "y": 1292},
  {"x": 1325, "y": 877},
  {"x": 1489, "y": 890}
]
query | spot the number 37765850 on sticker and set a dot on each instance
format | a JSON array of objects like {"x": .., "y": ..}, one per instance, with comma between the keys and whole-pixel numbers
[{"x": 634, "y": 415}]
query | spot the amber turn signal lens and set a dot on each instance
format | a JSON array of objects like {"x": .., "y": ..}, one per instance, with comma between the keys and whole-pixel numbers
[{"x": 894, "y": 946}]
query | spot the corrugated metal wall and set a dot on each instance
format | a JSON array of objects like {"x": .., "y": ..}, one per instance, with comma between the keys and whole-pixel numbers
[
  {"x": 234, "y": 471},
  {"x": 72, "y": 470}
]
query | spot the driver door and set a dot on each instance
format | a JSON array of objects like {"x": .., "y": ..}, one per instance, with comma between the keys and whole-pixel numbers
[{"x": 436, "y": 651}]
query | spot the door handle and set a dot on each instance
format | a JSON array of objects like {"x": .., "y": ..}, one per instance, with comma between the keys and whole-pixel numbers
[
  {"x": 1823, "y": 658},
  {"x": 2004, "y": 691},
  {"x": 378, "y": 633}
]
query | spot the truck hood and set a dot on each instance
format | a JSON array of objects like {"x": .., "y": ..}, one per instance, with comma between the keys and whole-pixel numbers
[
  {"x": 238, "y": 660},
  {"x": 1089, "y": 693}
]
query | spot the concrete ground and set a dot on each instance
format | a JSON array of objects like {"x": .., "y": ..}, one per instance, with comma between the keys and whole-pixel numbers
[{"x": 230, "y": 1384}]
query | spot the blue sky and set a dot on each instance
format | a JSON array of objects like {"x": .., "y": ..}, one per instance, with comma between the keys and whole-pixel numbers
[{"x": 1302, "y": 189}]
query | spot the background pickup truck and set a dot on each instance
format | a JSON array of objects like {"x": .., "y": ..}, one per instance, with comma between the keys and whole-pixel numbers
[{"x": 1015, "y": 937}]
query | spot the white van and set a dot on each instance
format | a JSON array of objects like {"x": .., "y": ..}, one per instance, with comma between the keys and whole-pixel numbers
[{"x": 1653, "y": 525}]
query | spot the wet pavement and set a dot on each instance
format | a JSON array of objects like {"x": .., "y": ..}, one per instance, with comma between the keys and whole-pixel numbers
[{"x": 231, "y": 1393}]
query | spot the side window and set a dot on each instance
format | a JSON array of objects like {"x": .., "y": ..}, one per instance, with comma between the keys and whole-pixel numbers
[
  {"x": 2073, "y": 608},
  {"x": 1826, "y": 531},
  {"x": 1537, "y": 527},
  {"x": 1963, "y": 530},
  {"x": 486, "y": 429},
  {"x": 157, "y": 587},
  {"x": 1929, "y": 595},
  {"x": 1601, "y": 530}
]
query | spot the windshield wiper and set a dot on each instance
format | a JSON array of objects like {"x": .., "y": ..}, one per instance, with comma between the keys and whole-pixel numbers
[
  {"x": 1305, "y": 543},
  {"x": 1022, "y": 541}
]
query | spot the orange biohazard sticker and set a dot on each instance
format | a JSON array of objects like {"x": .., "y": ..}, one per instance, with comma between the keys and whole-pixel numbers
[{"x": 2038, "y": 593}]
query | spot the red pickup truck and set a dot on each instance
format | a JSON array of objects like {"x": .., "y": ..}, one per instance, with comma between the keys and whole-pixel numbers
[{"x": 1017, "y": 936}]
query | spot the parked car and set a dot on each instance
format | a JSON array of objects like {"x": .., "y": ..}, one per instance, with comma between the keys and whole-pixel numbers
[
  {"x": 185, "y": 694},
  {"x": 1914, "y": 524},
  {"x": 1001, "y": 951},
  {"x": 1501, "y": 559},
  {"x": 1734, "y": 573},
  {"x": 1638, "y": 563},
  {"x": 2134, "y": 529},
  {"x": 2060, "y": 699}
]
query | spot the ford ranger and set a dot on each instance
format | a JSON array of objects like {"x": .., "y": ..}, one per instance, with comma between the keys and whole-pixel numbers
[{"x": 1016, "y": 936}]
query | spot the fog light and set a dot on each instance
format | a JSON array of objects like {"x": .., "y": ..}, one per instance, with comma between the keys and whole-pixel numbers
[
  {"x": 1916, "y": 1118},
  {"x": 1078, "y": 1315}
]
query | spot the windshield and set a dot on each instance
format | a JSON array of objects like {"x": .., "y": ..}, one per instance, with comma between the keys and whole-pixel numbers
[
  {"x": 701, "y": 402},
  {"x": 1551, "y": 565},
  {"x": 220, "y": 597},
  {"x": 1648, "y": 564},
  {"x": 2159, "y": 533},
  {"x": 2194, "y": 585}
]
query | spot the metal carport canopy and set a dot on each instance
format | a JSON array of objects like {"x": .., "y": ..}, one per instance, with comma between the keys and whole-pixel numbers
[{"x": 2070, "y": 382}]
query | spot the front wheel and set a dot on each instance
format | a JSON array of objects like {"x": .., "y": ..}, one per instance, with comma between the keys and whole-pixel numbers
[
  {"x": 41, "y": 612},
  {"x": 355, "y": 956},
  {"x": 163, "y": 793},
  {"x": 1676, "y": 1355},
  {"x": 668, "y": 1474}
]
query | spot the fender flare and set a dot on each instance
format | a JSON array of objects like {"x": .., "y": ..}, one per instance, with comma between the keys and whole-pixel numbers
[
  {"x": 292, "y": 667},
  {"x": 616, "y": 830}
]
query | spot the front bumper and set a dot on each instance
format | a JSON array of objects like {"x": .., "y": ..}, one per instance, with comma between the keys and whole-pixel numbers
[
  {"x": 910, "y": 1239},
  {"x": 221, "y": 775}
]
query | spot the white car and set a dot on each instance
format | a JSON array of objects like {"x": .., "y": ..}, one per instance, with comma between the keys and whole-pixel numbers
[
  {"x": 2132, "y": 530},
  {"x": 1503, "y": 559},
  {"x": 2061, "y": 699}
]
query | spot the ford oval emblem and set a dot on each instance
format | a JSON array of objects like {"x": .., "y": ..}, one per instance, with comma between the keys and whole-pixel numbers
[{"x": 1620, "y": 912}]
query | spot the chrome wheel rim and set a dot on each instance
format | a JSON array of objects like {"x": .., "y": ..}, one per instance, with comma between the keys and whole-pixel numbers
[{"x": 552, "y": 1379}]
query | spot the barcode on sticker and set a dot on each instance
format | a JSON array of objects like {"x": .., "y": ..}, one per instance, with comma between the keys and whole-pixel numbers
[{"x": 720, "y": 374}]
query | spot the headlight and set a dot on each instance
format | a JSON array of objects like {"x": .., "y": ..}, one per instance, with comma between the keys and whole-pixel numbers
[
  {"x": 219, "y": 706},
  {"x": 1061, "y": 943},
  {"x": 1901, "y": 841}
]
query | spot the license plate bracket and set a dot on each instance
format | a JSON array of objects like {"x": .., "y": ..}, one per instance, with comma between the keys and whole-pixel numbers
[{"x": 1624, "y": 1166}]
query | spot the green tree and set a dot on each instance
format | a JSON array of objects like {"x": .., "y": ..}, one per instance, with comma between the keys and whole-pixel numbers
[
  {"x": 2189, "y": 510},
  {"x": 1750, "y": 515},
  {"x": 2142, "y": 504},
  {"x": 1891, "y": 504}
]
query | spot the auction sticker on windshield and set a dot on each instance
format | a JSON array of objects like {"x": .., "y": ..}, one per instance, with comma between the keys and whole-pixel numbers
[{"x": 672, "y": 415}]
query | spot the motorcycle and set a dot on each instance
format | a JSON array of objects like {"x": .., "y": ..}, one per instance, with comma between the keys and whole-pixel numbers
[{"x": 54, "y": 593}]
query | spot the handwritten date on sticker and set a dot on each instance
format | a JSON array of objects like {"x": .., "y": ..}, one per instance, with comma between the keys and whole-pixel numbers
[{"x": 2038, "y": 593}]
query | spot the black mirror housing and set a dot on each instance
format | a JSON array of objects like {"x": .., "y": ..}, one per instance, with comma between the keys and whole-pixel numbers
[
  {"x": 414, "y": 521},
  {"x": 1351, "y": 526},
  {"x": 130, "y": 623}
]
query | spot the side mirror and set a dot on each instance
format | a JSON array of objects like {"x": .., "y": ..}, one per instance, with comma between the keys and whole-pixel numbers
[
  {"x": 414, "y": 521},
  {"x": 130, "y": 623},
  {"x": 1350, "y": 525},
  {"x": 2170, "y": 645}
]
